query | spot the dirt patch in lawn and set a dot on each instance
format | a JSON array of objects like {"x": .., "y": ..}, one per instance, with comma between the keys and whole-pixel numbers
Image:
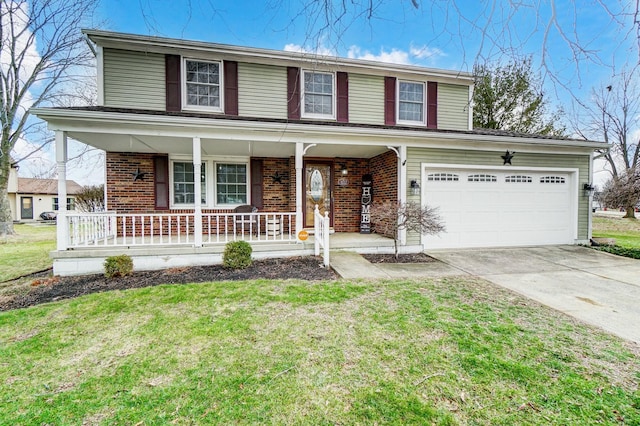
[
  {"x": 402, "y": 258},
  {"x": 49, "y": 289}
]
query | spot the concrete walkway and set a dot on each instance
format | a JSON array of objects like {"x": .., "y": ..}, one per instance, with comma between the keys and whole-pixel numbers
[
  {"x": 596, "y": 287},
  {"x": 352, "y": 265}
]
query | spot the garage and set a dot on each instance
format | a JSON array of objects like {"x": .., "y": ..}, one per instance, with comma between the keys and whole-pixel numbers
[{"x": 501, "y": 207}]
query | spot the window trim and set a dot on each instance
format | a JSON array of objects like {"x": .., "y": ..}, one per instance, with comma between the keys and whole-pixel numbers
[
  {"x": 183, "y": 85},
  {"x": 424, "y": 104},
  {"x": 211, "y": 183},
  {"x": 303, "y": 113}
]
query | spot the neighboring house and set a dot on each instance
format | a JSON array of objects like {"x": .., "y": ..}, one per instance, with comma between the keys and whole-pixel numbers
[
  {"x": 29, "y": 197},
  {"x": 182, "y": 121}
]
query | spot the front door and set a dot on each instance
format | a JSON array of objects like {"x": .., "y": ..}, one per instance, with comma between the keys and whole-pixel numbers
[
  {"x": 26, "y": 207},
  {"x": 317, "y": 190}
]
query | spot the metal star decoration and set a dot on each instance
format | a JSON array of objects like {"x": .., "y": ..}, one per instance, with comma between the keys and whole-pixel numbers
[
  {"x": 138, "y": 175},
  {"x": 507, "y": 157},
  {"x": 277, "y": 177}
]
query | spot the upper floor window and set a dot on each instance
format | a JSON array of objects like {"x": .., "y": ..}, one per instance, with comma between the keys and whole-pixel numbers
[
  {"x": 411, "y": 99},
  {"x": 202, "y": 85},
  {"x": 318, "y": 94}
]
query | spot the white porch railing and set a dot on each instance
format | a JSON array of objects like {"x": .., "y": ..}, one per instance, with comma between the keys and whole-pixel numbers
[
  {"x": 111, "y": 229},
  {"x": 322, "y": 228}
]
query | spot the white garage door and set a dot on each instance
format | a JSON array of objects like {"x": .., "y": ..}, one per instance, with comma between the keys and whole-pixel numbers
[{"x": 487, "y": 208}]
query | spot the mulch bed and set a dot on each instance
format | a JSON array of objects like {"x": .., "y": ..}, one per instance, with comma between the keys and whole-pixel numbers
[
  {"x": 402, "y": 258},
  {"x": 48, "y": 289}
]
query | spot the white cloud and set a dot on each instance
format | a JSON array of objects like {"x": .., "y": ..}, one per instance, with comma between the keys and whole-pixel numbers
[
  {"x": 396, "y": 56},
  {"x": 319, "y": 50}
]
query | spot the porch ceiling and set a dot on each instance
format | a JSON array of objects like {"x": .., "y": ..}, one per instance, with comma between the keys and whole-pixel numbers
[{"x": 238, "y": 147}]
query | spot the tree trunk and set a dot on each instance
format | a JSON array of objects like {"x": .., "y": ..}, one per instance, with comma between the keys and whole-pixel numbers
[
  {"x": 631, "y": 213},
  {"x": 6, "y": 221}
]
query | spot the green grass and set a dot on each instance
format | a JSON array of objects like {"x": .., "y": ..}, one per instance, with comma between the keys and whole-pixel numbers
[
  {"x": 625, "y": 231},
  {"x": 27, "y": 251},
  {"x": 450, "y": 351}
]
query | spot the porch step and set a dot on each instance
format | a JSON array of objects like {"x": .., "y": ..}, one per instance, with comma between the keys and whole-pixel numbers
[{"x": 351, "y": 265}]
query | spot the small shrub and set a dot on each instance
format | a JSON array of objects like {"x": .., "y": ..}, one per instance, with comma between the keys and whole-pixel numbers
[
  {"x": 118, "y": 266},
  {"x": 237, "y": 255}
]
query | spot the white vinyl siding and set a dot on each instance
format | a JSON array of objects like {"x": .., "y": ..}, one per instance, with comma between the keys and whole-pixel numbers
[
  {"x": 134, "y": 80},
  {"x": 366, "y": 99},
  {"x": 417, "y": 156},
  {"x": 262, "y": 91},
  {"x": 453, "y": 107}
]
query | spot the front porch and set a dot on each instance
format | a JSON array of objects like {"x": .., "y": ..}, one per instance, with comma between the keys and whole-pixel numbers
[{"x": 89, "y": 259}]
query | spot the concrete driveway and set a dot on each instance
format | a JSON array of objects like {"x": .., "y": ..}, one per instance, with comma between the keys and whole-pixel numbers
[{"x": 595, "y": 287}]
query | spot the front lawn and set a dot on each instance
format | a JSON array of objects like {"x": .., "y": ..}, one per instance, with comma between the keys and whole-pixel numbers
[
  {"x": 625, "y": 231},
  {"x": 449, "y": 351},
  {"x": 27, "y": 251}
]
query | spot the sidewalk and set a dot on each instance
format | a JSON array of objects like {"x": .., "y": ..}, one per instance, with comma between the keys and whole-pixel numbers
[{"x": 350, "y": 265}]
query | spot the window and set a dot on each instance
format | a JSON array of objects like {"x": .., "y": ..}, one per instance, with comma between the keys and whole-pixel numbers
[
  {"x": 183, "y": 183},
  {"x": 518, "y": 179},
  {"x": 318, "y": 95},
  {"x": 224, "y": 180},
  {"x": 411, "y": 98},
  {"x": 552, "y": 179},
  {"x": 441, "y": 177},
  {"x": 202, "y": 85},
  {"x": 231, "y": 183},
  {"x": 482, "y": 178},
  {"x": 71, "y": 203}
]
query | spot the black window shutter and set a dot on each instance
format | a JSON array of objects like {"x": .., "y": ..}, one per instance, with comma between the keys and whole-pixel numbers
[
  {"x": 390, "y": 101},
  {"x": 432, "y": 105},
  {"x": 256, "y": 182},
  {"x": 342, "y": 84},
  {"x": 230, "y": 88},
  {"x": 172, "y": 77},
  {"x": 161, "y": 182},
  {"x": 293, "y": 93}
]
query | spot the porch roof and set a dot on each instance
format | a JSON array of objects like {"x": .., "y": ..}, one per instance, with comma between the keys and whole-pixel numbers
[{"x": 147, "y": 131}]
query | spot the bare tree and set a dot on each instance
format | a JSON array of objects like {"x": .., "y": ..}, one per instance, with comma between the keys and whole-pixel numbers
[
  {"x": 90, "y": 199},
  {"x": 612, "y": 115},
  {"x": 42, "y": 49},
  {"x": 623, "y": 190},
  {"x": 389, "y": 219}
]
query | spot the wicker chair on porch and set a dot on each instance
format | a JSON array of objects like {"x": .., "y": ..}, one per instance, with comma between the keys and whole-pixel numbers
[{"x": 246, "y": 222}]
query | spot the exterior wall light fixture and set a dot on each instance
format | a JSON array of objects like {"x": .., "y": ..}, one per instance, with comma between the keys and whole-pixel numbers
[
  {"x": 588, "y": 189},
  {"x": 415, "y": 187}
]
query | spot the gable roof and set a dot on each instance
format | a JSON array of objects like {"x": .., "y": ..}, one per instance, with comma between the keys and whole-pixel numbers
[{"x": 45, "y": 186}]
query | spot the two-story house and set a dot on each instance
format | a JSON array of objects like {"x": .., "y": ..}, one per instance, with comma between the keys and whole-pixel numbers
[{"x": 193, "y": 130}]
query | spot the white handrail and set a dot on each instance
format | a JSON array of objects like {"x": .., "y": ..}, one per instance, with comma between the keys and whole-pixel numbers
[
  {"x": 321, "y": 227},
  {"x": 110, "y": 229}
]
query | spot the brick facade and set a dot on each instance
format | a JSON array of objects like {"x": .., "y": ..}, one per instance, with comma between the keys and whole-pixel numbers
[{"x": 125, "y": 195}]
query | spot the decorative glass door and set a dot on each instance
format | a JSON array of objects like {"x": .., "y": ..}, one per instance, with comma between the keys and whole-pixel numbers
[{"x": 317, "y": 190}]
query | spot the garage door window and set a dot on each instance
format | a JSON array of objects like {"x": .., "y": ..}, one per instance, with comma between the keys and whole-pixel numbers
[
  {"x": 482, "y": 178},
  {"x": 440, "y": 177},
  {"x": 518, "y": 179},
  {"x": 552, "y": 179}
]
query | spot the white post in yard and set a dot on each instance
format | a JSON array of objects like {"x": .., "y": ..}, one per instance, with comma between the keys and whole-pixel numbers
[
  {"x": 62, "y": 227},
  {"x": 317, "y": 228},
  {"x": 197, "y": 181},
  {"x": 325, "y": 237}
]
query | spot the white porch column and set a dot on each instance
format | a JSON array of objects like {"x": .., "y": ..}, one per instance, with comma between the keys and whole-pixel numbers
[
  {"x": 197, "y": 182},
  {"x": 402, "y": 187},
  {"x": 62, "y": 227},
  {"x": 299, "y": 186}
]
